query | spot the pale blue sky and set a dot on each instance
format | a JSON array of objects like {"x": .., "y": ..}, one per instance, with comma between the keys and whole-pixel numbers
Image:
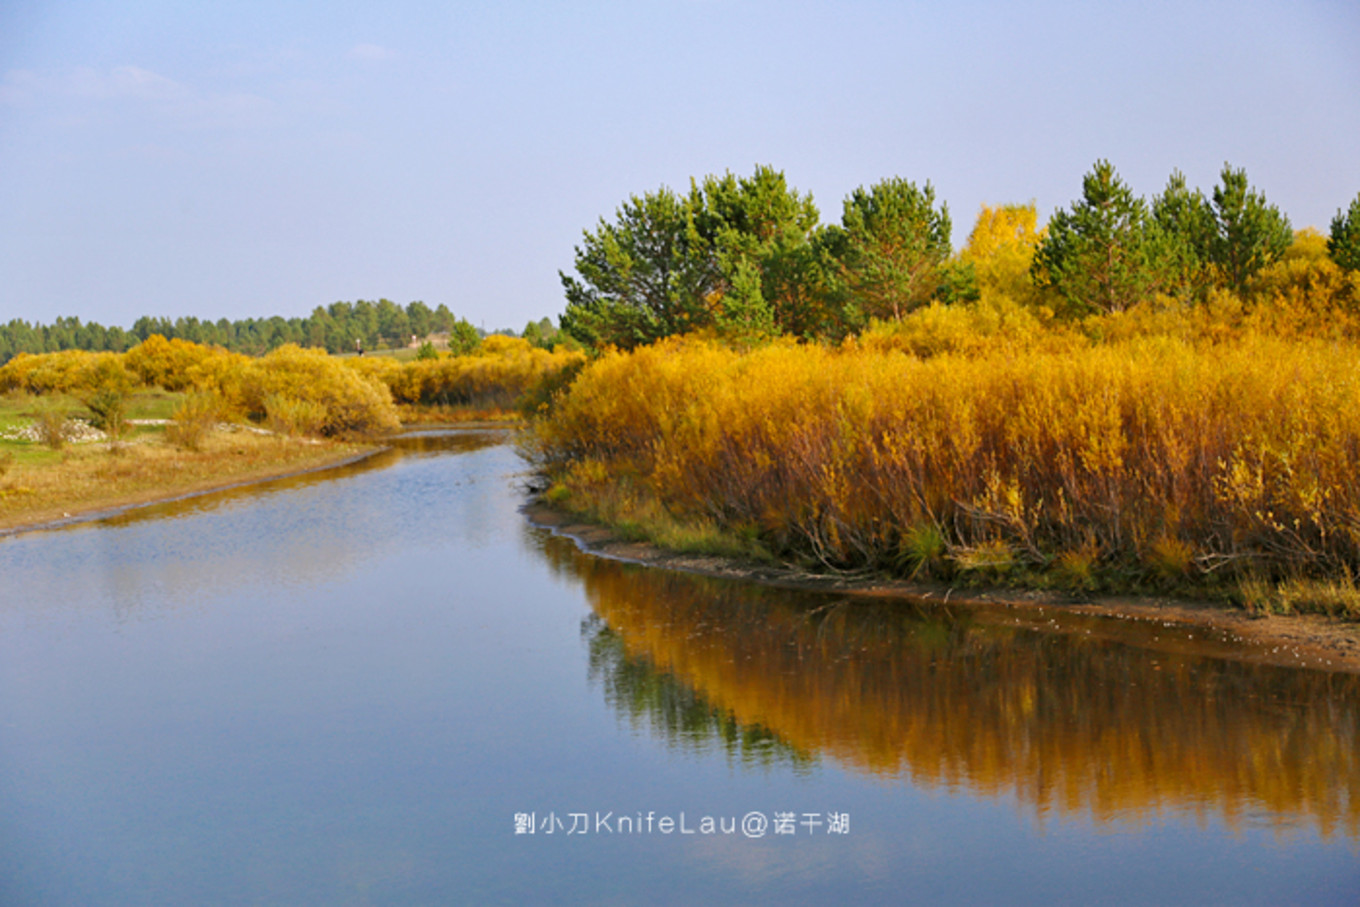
[{"x": 250, "y": 159}]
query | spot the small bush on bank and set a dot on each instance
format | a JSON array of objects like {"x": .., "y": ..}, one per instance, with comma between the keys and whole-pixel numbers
[
  {"x": 314, "y": 390},
  {"x": 53, "y": 426},
  {"x": 497, "y": 375},
  {"x": 294, "y": 417},
  {"x": 193, "y": 420}
]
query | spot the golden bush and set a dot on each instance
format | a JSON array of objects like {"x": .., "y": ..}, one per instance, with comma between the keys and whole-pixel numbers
[
  {"x": 305, "y": 379},
  {"x": 1168, "y": 456},
  {"x": 168, "y": 364},
  {"x": 67, "y": 372},
  {"x": 496, "y": 375},
  {"x": 193, "y": 420}
]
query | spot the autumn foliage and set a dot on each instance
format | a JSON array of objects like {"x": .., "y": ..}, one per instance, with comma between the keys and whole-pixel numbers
[
  {"x": 299, "y": 391},
  {"x": 1160, "y": 446},
  {"x": 497, "y": 374}
]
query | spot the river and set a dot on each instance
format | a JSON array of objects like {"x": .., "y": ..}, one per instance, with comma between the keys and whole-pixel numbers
[{"x": 381, "y": 685}]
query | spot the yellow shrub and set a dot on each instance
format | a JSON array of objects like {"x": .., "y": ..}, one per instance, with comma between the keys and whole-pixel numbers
[
  {"x": 224, "y": 376},
  {"x": 379, "y": 368},
  {"x": 290, "y": 375},
  {"x": 195, "y": 417},
  {"x": 67, "y": 372},
  {"x": 168, "y": 363},
  {"x": 1000, "y": 249},
  {"x": 1167, "y": 455},
  {"x": 995, "y": 322},
  {"x": 496, "y": 375}
]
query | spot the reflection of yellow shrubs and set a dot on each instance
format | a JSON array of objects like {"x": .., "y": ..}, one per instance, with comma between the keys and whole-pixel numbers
[
  {"x": 967, "y": 700},
  {"x": 1166, "y": 459}
]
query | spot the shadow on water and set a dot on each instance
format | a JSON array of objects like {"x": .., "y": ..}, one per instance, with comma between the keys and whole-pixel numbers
[{"x": 1069, "y": 723}]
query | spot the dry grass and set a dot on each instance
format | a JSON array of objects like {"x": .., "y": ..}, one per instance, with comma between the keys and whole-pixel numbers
[{"x": 85, "y": 478}]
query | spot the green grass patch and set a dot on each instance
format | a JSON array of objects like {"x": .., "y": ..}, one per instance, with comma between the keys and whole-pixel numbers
[
  {"x": 20, "y": 409},
  {"x": 636, "y": 516},
  {"x": 29, "y": 453}
]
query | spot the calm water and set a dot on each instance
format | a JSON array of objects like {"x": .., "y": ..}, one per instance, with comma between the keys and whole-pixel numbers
[{"x": 353, "y": 688}]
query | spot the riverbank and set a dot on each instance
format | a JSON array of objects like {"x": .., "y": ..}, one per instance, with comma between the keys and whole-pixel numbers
[
  {"x": 1161, "y": 465},
  {"x": 1297, "y": 640},
  {"x": 87, "y": 481}
]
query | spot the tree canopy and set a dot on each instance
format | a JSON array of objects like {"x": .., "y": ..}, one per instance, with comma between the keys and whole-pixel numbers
[
  {"x": 334, "y": 328},
  {"x": 747, "y": 257},
  {"x": 892, "y": 245},
  {"x": 1248, "y": 233},
  {"x": 1096, "y": 255},
  {"x": 1343, "y": 243}
]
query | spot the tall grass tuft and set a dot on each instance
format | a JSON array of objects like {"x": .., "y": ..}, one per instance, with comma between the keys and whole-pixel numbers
[
  {"x": 193, "y": 420},
  {"x": 290, "y": 416},
  {"x": 53, "y": 426}
]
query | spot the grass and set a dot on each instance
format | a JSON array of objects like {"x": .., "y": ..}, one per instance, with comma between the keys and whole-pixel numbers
[
  {"x": 153, "y": 404},
  {"x": 1334, "y": 597},
  {"x": 404, "y": 354},
  {"x": 18, "y": 409}
]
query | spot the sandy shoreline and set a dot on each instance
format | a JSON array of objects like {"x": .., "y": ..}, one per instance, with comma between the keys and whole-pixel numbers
[{"x": 1304, "y": 640}]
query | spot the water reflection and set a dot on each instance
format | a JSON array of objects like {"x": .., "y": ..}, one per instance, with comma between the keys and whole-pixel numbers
[
  {"x": 426, "y": 443},
  {"x": 657, "y": 701},
  {"x": 302, "y": 529},
  {"x": 1068, "y": 723}
]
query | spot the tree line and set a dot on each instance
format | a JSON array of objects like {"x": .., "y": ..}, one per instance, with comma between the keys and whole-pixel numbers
[
  {"x": 749, "y": 258},
  {"x": 336, "y": 328}
]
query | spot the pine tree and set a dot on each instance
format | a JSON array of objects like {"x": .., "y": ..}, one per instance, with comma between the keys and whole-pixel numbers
[
  {"x": 894, "y": 245},
  {"x": 1344, "y": 243},
  {"x": 1096, "y": 256},
  {"x": 1248, "y": 233}
]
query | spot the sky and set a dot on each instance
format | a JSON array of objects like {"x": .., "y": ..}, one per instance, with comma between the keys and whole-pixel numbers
[{"x": 256, "y": 159}]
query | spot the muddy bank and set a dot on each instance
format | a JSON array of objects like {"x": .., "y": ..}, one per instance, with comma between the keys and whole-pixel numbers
[{"x": 1304, "y": 640}]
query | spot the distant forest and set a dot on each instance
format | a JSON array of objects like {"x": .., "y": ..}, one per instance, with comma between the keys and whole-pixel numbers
[{"x": 336, "y": 328}]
